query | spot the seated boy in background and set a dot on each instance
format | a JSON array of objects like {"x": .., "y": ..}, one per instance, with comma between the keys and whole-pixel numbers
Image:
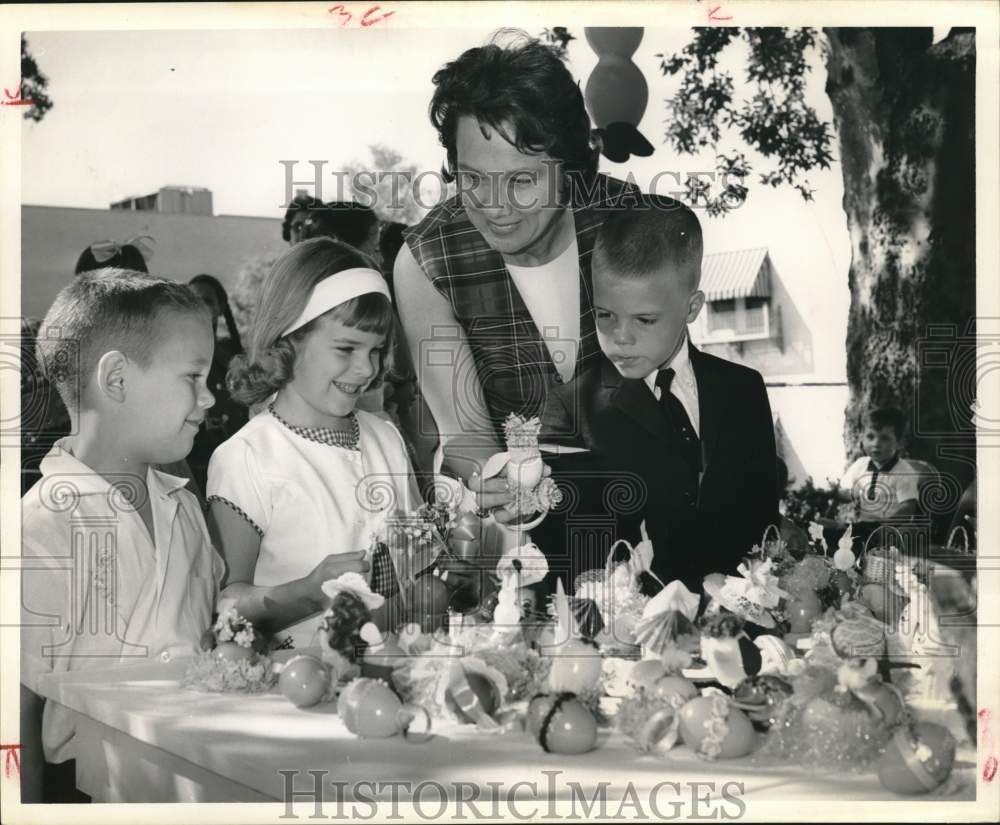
[
  {"x": 695, "y": 430},
  {"x": 881, "y": 484},
  {"x": 117, "y": 563}
]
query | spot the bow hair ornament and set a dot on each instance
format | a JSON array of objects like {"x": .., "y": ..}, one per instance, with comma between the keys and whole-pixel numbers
[{"x": 104, "y": 251}]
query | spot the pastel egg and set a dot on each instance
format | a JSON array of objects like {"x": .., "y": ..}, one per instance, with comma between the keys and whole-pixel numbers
[
  {"x": 370, "y": 709},
  {"x": 917, "y": 761},
  {"x": 231, "y": 652},
  {"x": 486, "y": 692},
  {"x": 696, "y": 722},
  {"x": 567, "y": 726},
  {"x": 304, "y": 680},
  {"x": 675, "y": 689},
  {"x": 801, "y": 610},
  {"x": 576, "y": 667}
]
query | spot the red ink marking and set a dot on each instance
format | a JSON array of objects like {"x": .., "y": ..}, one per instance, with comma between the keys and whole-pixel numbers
[
  {"x": 366, "y": 22},
  {"x": 345, "y": 15},
  {"x": 12, "y": 756},
  {"x": 714, "y": 18},
  {"x": 986, "y": 744},
  {"x": 14, "y": 99}
]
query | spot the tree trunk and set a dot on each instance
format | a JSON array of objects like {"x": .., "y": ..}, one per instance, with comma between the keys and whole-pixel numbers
[{"x": 904, "y": 110}]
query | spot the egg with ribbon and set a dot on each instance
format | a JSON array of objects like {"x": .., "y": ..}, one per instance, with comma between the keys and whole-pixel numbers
[
  {"x": 562, "y": 724},
  {"x": 304, "y": 680}
]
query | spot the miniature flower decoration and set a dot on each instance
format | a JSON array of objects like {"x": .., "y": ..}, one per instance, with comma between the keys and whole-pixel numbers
[{"x": 230, "y": 626}]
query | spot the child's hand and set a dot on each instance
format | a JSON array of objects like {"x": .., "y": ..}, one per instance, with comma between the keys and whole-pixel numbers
[
  {"x": 336, "y": 564},
  {"x": 493, "y": 494}
]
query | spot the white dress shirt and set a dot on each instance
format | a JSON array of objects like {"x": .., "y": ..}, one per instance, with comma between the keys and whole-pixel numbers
[{"x": 684, "y": 387}]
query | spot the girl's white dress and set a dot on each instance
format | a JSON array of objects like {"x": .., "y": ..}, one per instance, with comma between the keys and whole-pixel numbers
[{"x": 307, "y": 497}]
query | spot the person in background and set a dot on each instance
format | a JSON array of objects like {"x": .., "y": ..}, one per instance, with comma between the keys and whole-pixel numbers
[
  {"x": 300, "y": 221},
  {"x": 227, "y": 415},
  {"x": 131, "y": 363}
]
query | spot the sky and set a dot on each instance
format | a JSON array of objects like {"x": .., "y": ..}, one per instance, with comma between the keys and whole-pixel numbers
[{"x": 219, "y": 109}]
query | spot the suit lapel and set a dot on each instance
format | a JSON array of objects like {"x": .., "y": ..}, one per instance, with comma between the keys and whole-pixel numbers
[
  {"x": 633, "y": 398},
  {"x": 708, "y": 406}
]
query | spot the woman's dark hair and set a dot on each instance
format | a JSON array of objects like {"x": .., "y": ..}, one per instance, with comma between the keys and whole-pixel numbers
[
  {"x": 347, "y": 221},
  {"x": 524, "y": 91},
  {"x": 125, "y": 257},
  {"x": 299, "y": 203},
  {"x": 222, "y": 297},
  {"x": 390, "y": 241}
]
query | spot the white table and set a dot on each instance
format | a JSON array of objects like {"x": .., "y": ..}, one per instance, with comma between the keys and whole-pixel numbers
[{"x": 144, "y": 738}]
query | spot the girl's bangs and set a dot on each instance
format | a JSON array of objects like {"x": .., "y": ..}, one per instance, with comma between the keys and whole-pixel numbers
[{"x": 369, "y": 313}]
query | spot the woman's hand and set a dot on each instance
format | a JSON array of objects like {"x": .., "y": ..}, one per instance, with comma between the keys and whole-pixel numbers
[{"x": 493, "y": 494}]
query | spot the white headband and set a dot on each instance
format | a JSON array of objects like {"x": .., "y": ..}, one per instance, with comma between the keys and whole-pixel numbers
[{"x": 336, "y": 289}]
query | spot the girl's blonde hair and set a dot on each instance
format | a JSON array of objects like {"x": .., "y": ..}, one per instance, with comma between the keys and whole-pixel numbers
[{"x": 269, "y": 362}]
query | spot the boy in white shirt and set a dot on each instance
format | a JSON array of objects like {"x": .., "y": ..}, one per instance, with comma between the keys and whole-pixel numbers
[
  {"x": 118, "y": 565},
  {"x": 882, "y": 485}
]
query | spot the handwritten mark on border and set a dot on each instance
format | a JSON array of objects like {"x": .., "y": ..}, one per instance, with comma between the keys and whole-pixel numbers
[
  {"x": 369, "y": 18},
  {"x": 12, "y": 757}
]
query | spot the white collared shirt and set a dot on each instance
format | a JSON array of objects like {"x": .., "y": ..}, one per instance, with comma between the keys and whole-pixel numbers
[
  {"x": 97, "y": 589},
  {"x": 684, "y": 386}
]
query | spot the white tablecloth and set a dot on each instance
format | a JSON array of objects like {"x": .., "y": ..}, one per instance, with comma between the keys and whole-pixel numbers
[{"x": 144, "y": 738}]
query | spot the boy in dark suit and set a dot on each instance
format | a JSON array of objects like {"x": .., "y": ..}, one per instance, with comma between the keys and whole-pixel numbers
[{"x": 697, "y": 430}]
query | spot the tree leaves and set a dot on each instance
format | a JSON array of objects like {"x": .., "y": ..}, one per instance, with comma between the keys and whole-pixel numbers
[
  {"x": 774, "y": 118},
  {"x": 33, "y": 85}
]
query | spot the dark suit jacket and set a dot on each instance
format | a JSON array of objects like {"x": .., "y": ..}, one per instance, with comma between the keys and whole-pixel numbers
[{"x": 696, "y": 528}]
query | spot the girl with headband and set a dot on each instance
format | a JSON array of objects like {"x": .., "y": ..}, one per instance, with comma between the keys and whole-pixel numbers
[{"x": 298, "y": 492}]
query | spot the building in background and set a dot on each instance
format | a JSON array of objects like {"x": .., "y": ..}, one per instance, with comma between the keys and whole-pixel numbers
[
  {"x": 751, "y": 317},
  {"x": 185, "y": 243},
  {"x": 184, "y": 200}
]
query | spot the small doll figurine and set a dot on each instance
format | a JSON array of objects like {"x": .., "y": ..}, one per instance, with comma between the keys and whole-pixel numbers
[{"x": 345, "y": 620}]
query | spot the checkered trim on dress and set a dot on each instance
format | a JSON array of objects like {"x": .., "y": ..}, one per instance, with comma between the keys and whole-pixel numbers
[
  {"x": 236, "y": 509},
  {"x": 511, "y": 358},
  {"x": 383, "y": 575},
  {"x": 326, "y": 435}
]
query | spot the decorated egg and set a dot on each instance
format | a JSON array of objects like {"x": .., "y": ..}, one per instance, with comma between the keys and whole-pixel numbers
[
  {"x": 231, "y": 652},
  {"x": 885, "y": 600},
  {"x": 646, "y": 674},
  {"x": 832, "y": 713},
  {"x": 525, "y": 474},
  {"x": 370, "y": 709},
  {"x": 917, "y": 760},
  {"x": 304, "y": 680},
  {"x": 715, "y": 728},
  {"x": 862, "y": 636},
  {"x": 427, "y": 602},
  {"x": 562, "y": 724},
  {"x": 576, "y": 667},
  {"x": 762, "y": 698},
  {"x": 676, "y": 690},
  {"x": 485, "y": 697},
  {"x": 802, "y": 609}
]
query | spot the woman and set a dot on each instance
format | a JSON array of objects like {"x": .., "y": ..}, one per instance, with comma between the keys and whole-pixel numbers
[{"x": 509, "y": 256}]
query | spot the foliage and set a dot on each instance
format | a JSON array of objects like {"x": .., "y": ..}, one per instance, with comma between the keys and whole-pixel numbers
[
  {"x": 243, "y": 297},
  {"x": 772, "y": 117},
  {"x": 806, "y": 503},
  {"x": 33, "y": 85},
  {"x": 386, "y": 184}
]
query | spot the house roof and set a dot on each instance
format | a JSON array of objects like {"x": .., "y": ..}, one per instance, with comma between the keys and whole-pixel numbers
[{"x": 737, "y": 274}]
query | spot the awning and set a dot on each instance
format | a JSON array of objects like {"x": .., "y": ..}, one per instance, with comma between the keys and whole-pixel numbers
[{"x": 737, "y": 274}]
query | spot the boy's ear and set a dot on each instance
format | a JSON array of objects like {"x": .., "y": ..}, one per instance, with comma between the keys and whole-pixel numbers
[
  {"x": 695, "y": 303},
  {"x": 111, "y": 371}
]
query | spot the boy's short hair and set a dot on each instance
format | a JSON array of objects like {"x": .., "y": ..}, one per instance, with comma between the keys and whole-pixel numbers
[
  {"x": 887, "y": 417},
  {"x": 655, "y": 233},
  {"x": 101, "y": 311}
]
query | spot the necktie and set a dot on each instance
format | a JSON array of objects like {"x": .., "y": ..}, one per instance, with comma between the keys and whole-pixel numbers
[
  {"x": 678, "y": 419},
  {"x": 874, "y": 469}
]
